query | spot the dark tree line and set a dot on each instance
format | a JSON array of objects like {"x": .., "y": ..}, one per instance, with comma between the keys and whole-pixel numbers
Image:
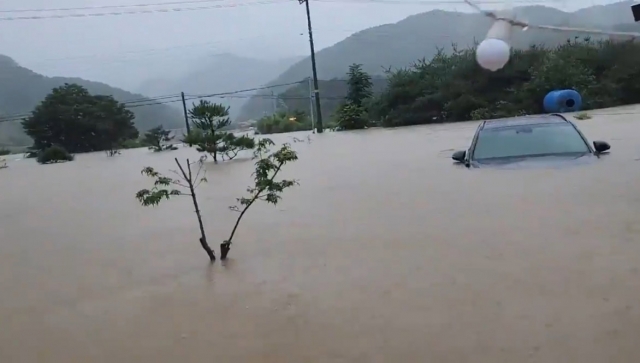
[{"x": 452, "y": 87}]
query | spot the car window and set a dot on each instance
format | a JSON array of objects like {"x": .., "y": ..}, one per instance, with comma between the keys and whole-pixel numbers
[{"x": 528, "y": 140}]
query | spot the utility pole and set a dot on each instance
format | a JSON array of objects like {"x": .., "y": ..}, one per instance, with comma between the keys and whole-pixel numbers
[
  {"x": 313, "y": 127},
  {"x": 274, "y": 102},
  {"x": 186, "y": 115},
  {"x": 316, "y": 91}
]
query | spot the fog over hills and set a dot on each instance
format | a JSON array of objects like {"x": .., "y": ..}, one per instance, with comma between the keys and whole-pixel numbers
[{"x": 218, "y": 74}]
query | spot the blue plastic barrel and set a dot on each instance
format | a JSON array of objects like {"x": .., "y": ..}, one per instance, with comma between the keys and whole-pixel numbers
[{"x": 566, "y": 100}]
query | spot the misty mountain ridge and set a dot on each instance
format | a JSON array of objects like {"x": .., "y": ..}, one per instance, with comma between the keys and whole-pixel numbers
[
  {"x": 21, "y": 90},
  {"x": 220, "y": 73},
  {"x": 419, "y": 36}
]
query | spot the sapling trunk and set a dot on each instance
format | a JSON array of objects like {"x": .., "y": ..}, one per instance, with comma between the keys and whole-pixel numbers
[
  {"x": 203, "y": 238},
  {"x": 225, "y": 246}
]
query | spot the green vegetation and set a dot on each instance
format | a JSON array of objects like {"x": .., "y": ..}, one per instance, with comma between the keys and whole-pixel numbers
[
  {"x": 158, "y": 139},
  {"x": 283, "y": 121},
  {"x": 266, "y": 188},
  {"x": 21, "y": 90},
  {"x": 454, "y": 88},
  {"x": 53, "y": 154},
  {"x": 93, "y": 123},
  {"x": 4, "y": 151},
  {"x": 208, "y": 123}
]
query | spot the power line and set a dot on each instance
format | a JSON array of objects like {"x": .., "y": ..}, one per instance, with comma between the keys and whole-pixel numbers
[
  {"x": 163, "y": 100},
  {"x": 220, "y": 95},
  {"x": 101, "y": 7},
  {"x": 249, "y": 89},
  {"x": 264, "y": 2},
  {"x": 525, "y": 25},
  {"x": 109, "y": 6},
  {"x": 137, "y": 12},
  {"x": 19, "y": 117},
  {"x": 145, "y": 99},
  {"x": 157, "y": 51}
]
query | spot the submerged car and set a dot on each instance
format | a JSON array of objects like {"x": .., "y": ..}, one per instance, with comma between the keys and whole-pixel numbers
[{"x": 528, "y": 139}]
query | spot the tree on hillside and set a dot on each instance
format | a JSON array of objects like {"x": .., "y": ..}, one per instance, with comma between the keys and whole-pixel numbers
[
  {"x": 158, "y": 138},
  {"x": 360, "y": 85},
  {"x": 208, "y": 135},
  {"x": 352, "y": 114},
  {"x": 77, "y": 121}
]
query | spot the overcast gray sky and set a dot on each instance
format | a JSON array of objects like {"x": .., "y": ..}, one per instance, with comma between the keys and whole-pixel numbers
[{"x": 124, "y": 50}]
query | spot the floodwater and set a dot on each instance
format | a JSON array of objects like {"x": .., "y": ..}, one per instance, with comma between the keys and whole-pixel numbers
[{"x": 386, "y": 252}]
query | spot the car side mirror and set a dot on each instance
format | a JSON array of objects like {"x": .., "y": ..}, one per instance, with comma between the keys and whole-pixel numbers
[
  {"x": 601, "y": 146},
  {"x": 459, "y": 156}
]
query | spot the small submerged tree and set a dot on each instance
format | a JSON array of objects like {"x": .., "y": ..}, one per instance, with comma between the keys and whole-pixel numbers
[
  {"x": 54, "y": 154},
  {"x": 265, "y": 187},
  {"x": 209, "y": 122},
  {"x": 158, "y": 139},
  {"x": 113, "y": 151}
]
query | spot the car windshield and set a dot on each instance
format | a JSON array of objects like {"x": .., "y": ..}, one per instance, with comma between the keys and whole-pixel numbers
[{"x": 528, "y": 140}]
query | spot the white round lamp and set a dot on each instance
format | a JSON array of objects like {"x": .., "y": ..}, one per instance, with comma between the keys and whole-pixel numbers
[{"x": 494, "y": 52}]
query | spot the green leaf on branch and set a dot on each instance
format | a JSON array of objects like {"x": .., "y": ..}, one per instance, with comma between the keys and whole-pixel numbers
[
  {"x": 161, "y": 190},
  {"x": 154, "y": 196}
]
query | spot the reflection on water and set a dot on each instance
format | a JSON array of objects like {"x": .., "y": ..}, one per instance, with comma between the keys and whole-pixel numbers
[{"x": 386, "y": 252}]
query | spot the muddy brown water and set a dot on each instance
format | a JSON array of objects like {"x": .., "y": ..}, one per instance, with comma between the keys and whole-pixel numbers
[{"x": 386, "y": 252}]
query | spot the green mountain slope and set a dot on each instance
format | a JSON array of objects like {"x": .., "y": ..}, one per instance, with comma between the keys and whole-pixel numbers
[
  {"x": 22, "y": 89},
  {"x": 419, "y": 36}
]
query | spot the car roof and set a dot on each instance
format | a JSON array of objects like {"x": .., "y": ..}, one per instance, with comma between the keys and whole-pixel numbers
[{"x": 525, "y": 120}]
